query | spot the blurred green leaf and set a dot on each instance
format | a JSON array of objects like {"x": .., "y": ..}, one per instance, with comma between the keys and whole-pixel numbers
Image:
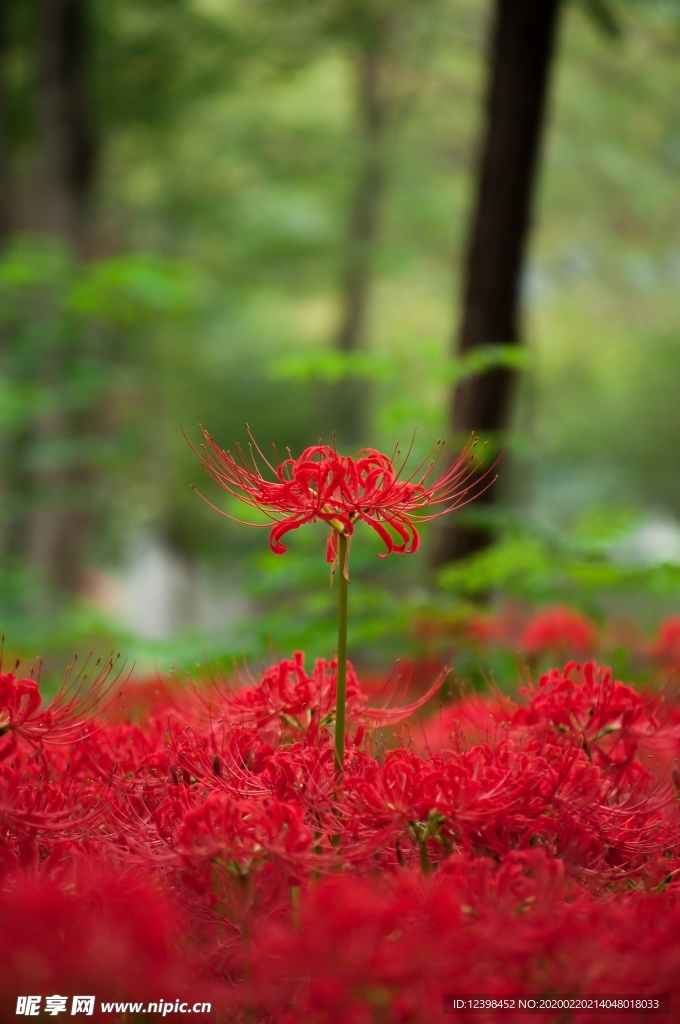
[
  {"x": 515, "y": 565},
  {"x": 31, "y": 260},
  {"x": 572, "y": 565},
  {"x": 330, "y": 366},
  {"x": 486, "y": 357},
  {"x": 603, "y": 15},
  {"x": 124, "y": 289},
  {"x": 601, "y": 528}
]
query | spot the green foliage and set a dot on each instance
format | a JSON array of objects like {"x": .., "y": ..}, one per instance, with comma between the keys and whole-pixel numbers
[
  {"x": 228, "y": 150},
  {"x": 331, "y": 366},
  {"x": 603, "y": 15},
  {"x": 71, "y": 368},
  {"x": 130, "y": 290},
  {"x": 153, "y": 59},
  {"x": 580, "y": 566}
]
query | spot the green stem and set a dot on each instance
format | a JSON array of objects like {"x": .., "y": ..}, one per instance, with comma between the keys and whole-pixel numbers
[
  {"x": 295, "y": 906},
  {"x": 424, "y": 857},
  {"x": 342, "y": 654}
]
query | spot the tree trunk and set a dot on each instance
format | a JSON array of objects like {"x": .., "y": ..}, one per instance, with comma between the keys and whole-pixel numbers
[
  {"x": 522, "y": 50},
  {"x": 6, "y": 518},
  {"x": 350, "y": 399},
  {"x": 4, "y": 139},
  {"x": 65, "y": 132},
  {"x": 60, "y": 521}
]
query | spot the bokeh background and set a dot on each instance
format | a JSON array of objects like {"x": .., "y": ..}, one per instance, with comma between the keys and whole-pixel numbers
[{"x": 262, "y": 211}]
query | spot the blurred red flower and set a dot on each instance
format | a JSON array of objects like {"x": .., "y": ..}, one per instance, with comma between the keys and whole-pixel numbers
[
  {"x": 666, "y": 645},
  {"x": 102, "y": 930},
  {"x": 559, "y": 629}
]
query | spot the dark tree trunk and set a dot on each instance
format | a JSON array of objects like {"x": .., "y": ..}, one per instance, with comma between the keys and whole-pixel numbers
[
  {"x": 521, "y": 55},
  {"x": 65, "y": 131},
  {"x": 4, "y": 135},
  {"x": 59, "y": 526},
  {"x": 6, "y": 518},
  {"x": 350, "y": 399}
]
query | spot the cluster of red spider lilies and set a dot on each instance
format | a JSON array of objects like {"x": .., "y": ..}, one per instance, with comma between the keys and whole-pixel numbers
[
  {"x": 199, "y": 843},
  {"x": 290, "y": 854}
]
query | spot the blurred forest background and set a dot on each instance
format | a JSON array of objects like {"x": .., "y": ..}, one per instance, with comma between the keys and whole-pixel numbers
[{"x": 286, "y": 213}]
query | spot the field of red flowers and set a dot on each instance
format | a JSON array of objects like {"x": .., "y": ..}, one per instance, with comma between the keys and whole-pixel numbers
[{"x": 179, "y": 843}]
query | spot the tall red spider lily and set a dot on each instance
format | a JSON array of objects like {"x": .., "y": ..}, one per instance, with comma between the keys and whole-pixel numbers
[{"x": 341, "y": 490}]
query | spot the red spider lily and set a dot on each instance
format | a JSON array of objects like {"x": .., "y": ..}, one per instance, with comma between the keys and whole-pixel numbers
[
  {"x": 341, "y": 490},
  {"x": 68, "y": 717},
  {"x": 595, "y": 711},
  {"x": 288, "y": 700},
  {"x": 19, "y": 701},
  {"x": 666, "y": 645},
  {"x": 234, "y": 834},
  {"x": 559, "y": 629}
]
